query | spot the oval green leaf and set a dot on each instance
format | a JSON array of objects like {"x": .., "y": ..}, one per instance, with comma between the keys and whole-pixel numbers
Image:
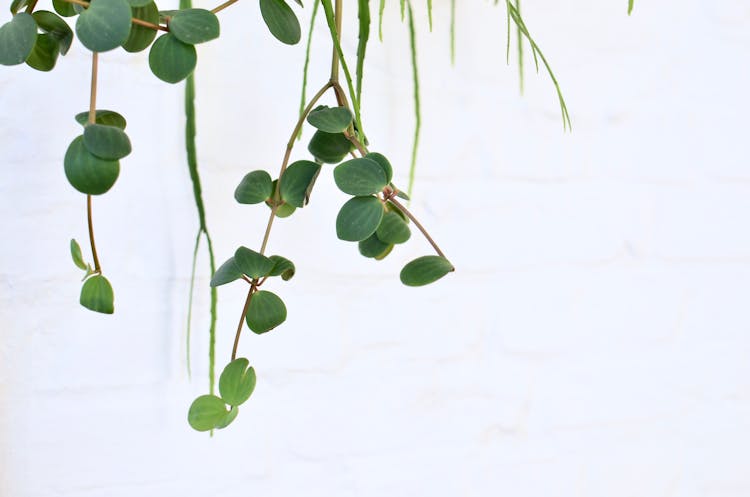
[
  {"x": 252, "y": 263},
  {"x": 106, "y": 142},
  {"x": 254, "y": 188},
  {"x": 193, "y": 26},
  {"x": 75, "y": 253},
  {"x": 359, "y": 218},
  {"x": 88, "y": 173},
  {"x": 97, "y": 295},
  {"x": 104, "y": 25},
  {"x": 393, "y": 229},
  {"x": 384, "y": 163},
  {"x": 359, "y": 177},
  {"x": 170, "y": 59},
  {"x": 43, "y": 56},
  {"x": 373, "y": 247},
  {"x": 425, "y": 270},
  {"x": 330, "y": 119},
  {"x": 105, "y": 117},
  {"x": 17, "y": 39},
  {"x": 330, "y": 148},
  {"x": 237, "y": 382},
  {"x": 65, "y": 9},
  {"x": 281, "y": 21},
  {"x": 228, "y": 418},
  {"x": 282, "y": 267},
  {"x": 227, "y": 273},
  {"x": 297, "y": 182},
  {"x": 207, "y": 412},
  {"x": 140, "y": 36},
  {"x": 51, "y": 23},
  {"x": 266, "y": 312}
]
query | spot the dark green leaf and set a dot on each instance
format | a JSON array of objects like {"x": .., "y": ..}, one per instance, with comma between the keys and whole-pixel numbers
[
  {"x": 384, "y": 163},
  {"x": 43, "y": 56},
  {"x": 75, "y": 253},
  {"x": 227, "y": 273},
  {"x": 139, "y": 3},
  {"x": 237, "y": 382},
  {"x": 17, "y": 39},
  {"x": 424, "y": 270},
  {"x": 97, "y": 295},
  {"x": 373, "y": 247},
  {"x": 88, "y": 173},
  {"x": 329, "y": 147},
  {"x": 283, "y": 267},
  {"x": 106, "y": 142},
  {"x": 330, "y": 120},
  {"x": 359, "y": 218},
  {"x": 252, "y": 263},
  {"x": 281, "y": 21},
  {"x": 266, "y": 312},
  {"x": 254, "y": 188},
  {"x": 393, "y": 229},
  {"x": 228, "y": 418},
  {"x": 141, "y": 36},
  {"x": 17, "y": 5},
  {"x": 193, "y": 26},
  {"x": 170, "y": 59},
  {"x": 105, "y": 117},
  {"x": 207, "y": 412},
  {"x": 359, "y": 177},
  {"x": 297, "y": 182},
  {"x": 51, "y": 23},
  {"x": 104, "y": 25},
  {"x": 65, "y": 9}
]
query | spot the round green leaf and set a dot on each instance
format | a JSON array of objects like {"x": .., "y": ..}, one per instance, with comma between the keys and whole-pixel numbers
[
  {"x": 373, "y": 247},
  {"x": 51, "y": 23},
  {"x": 252, "y": 263},
  {"x": 17, "y": 39},
  {"x": 297, "y": 182},
  {"x": 105, "y": 117},
  {"x": 194, "y": 26},
  {"x": 359, "y": 177},
  {"x": 207, "y": 412},
  {"x": 227, "y": 273},
  {"x": 65, "y": 9},
  {"x": 237, "y": 382},
  {"x": 254, "y": 188},
  {"x": 266, "y": 312},
  {"x": 330, "y": 120},
  {"x": 330, "y": 148},
  {"x": 106, "y": 142},
  {"x": 359, "y": 218},
  {"x": 384, "y": 163},
  {"x": 228, "y": 418},
  {"x": 43, "y": 56},
  {"x": 75, "y": 253},
  {"x": 104, "y": 25},
  {"x": 97, "y": 295},
  {"x": 140, "y": 36},
  {"x": 424, "y": 270},
  {"x": 88, "y": 173},
  {"x": 281, "y": 21},
  {"x": 282, "y": 267},
  {"x": 170, "y": 59},
  {"x": 393, "y": 229}
]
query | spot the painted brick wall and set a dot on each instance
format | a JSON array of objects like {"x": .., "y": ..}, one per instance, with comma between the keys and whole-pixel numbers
[{"x": 593, "y": 342}]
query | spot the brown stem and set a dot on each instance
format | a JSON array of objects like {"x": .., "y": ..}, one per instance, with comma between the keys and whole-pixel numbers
[
  {"x": 94, "y": 76},
  {"x": 418, "y": 225},
  {"x": 97, "y": 266},
  {"x": 223, "y": 6},
  {"x": 147, "y": 24},
  {"x": 242, "y": 320},
  {"x": 30, "y": 7}
]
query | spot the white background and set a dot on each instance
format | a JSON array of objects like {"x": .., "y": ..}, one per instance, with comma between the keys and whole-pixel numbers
[{"x": 593, "y": 341}]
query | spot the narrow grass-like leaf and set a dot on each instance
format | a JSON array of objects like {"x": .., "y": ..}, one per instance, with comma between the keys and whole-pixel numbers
[
  {"x": 453, "y": 32},
  {"x": 429, "y": 13},
  {"x": 425, "y": 270},
  {"x": 97, "y": 295},
  {"x": 519, "y": 43},
  {"x": 266, "y": 312},
  {"x": 417, "y": 103},
  {"x": 381, "y": 8},
  {"x": 363, "y": 15},
  {"x": 630, "y": 6}
]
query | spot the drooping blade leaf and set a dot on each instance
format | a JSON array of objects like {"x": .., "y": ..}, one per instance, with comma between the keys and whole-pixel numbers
[
  {"x": 106, "y": 142},
  {"x": 252, "y": 263},
  {"x": 88, "y": 173},
  {"x": 75, "y": 253},
  {"x": 97, "y": 295},
  {"x": 17, "y": 39},
  {"x": 254, "y": 188},
  {"x": 281, "y": 21},
  {"x": 207, "y": 412},
  {"x": 330, "y": 119},
  {"x": 359, "y": 218},
  {"x": 104, "y": 25},
  {"x": 237, "y": 382},
  {"x": 360, "y": 177},
  {"x": 170, "y": 59},
  {"x": 266, "y": 312},
  {"x": 193, "y": 26},
  {"x": 297, "y": 181},
  {"x": 425, "y": 270}
]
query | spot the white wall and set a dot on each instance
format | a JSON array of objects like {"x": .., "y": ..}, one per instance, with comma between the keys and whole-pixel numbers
[{"x": 593, "y": 342}]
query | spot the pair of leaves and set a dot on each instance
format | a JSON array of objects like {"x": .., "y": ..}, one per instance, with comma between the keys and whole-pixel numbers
[
  {"x": 393, "y": 229},
  {"x": 173, "y": 57},
  {"x": 253, "y": 265},
  {"x": 296, "y": 185},
  {"x": 96, "y": 294},
  {"x": 236, "y": 385},
  {"x": 281, "y": 20},
  {"x": 54, "y": 40}
]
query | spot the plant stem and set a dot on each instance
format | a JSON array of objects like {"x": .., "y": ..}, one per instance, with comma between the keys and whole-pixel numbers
[
  {"x": 418, "y": 225},
  {"x": 30, "y": 7},
  {"x": 223, "y": 6},
  {"x": 134, "y": 20},
  {"x": 92, "y": 120},
  {"x": 335, "y": 58},
  {"x": 97, "y": 266},
  {"x": 242, "y": 321}
]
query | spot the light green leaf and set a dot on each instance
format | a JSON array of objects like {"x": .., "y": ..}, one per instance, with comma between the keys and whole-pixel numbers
[
  {"x": 17, "y": 39},
  {"x": 170, "y": 59},
  {"x": 360, "y": 177},
  {"x": 51, "y": 23},
  {"x": 193, "y": 26},
  {"x": 75, "y": 253},
  {"x": 297, "y": 182},
  {"x": 106, "y": 142},
  {"x": 141, "y": 36},
  {"x": 104, "y": 25},
  {"x": 105, "y": 117},
  {"x": 88, "y": 173},
  {"x": 43, "y": 56},
  {"x": 330, "y": 148},
  {"x": 266, "y": 312},
  {"x": 97, "y": 295},
  {"x": 384, "y": 163},
  {"x": 228, "y": 418},
  {"x": 281, "y": 21},
  {"x": 425, "y": 270},
  {"x": 373, "y": 247},
  {"x": 285, "y": 210},
  {"x": 283, "y": 267},
  {"x": 252, "y": 263},
  {"x": 237, "y": 382},
  {"x": 207, "y": 412},
  {"x": 227, "y": 273},
  {"x": 254, "y": 188},
  {"x": 330, "y": 119},
  {"x": 393, "y": 229},
  {"x": 359, "y": 218}
]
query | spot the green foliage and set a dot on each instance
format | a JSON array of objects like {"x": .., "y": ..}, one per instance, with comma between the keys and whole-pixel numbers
[
  {"x": 141, "y": 36},
  {"x": 425, "y": 270},
  {"x": 237, "y": 382},
  {"x": 88, "y": 173},
  {"x": 208, "y": 412},
  {"x": 281, "y": 21},
  {"x": 251, "y": 263},
  {"x": 393, "y": 229},
  {"x": 75, "y": 253},
  {"x": 104, "y": 25},
  {"x": 360, "y": 177},
  {"x": 227, "y": 273},
  {"x": 106, "y": 142},
  {"x": 282, "y": 267},
  {"x": 17, "y": 39},
  {"x": 104, "y": 117},
  {"x": 266, "y": 312},
  {"x": 384, "y": 163},
  {"x": 254, "y": 188},
  {"x": 330, "y": 120},
  {"x": 297, "y": 182},
  {"x": 193, "y": 26},
  {"x": 359, "y": 218},
  {"x": 97, "y": 295},
  {"x": 170, "y": 59},
  {"x": 43, "y": 56},
  {"x": 56, "y": 28},
  {"x": 330, "y": 148},
  {"x": 373, "y": 247}
]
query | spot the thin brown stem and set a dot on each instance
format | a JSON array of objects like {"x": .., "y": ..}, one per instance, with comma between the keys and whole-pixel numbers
[
  {"x": 242, "y": 321},
  {"x": 223, "y": 6},
  {"x": 149, "y": 25},
  {"x": 267, "y": 234},
  {"x": 408, "y": 214},
  {"x": 97, "y": 266},
  {"x": 94, "y": 76},
  {"x": 31, "y": 6}
]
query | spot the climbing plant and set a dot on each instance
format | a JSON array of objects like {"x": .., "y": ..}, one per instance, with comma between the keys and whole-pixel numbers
[{"x": 376, "y": 217}]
